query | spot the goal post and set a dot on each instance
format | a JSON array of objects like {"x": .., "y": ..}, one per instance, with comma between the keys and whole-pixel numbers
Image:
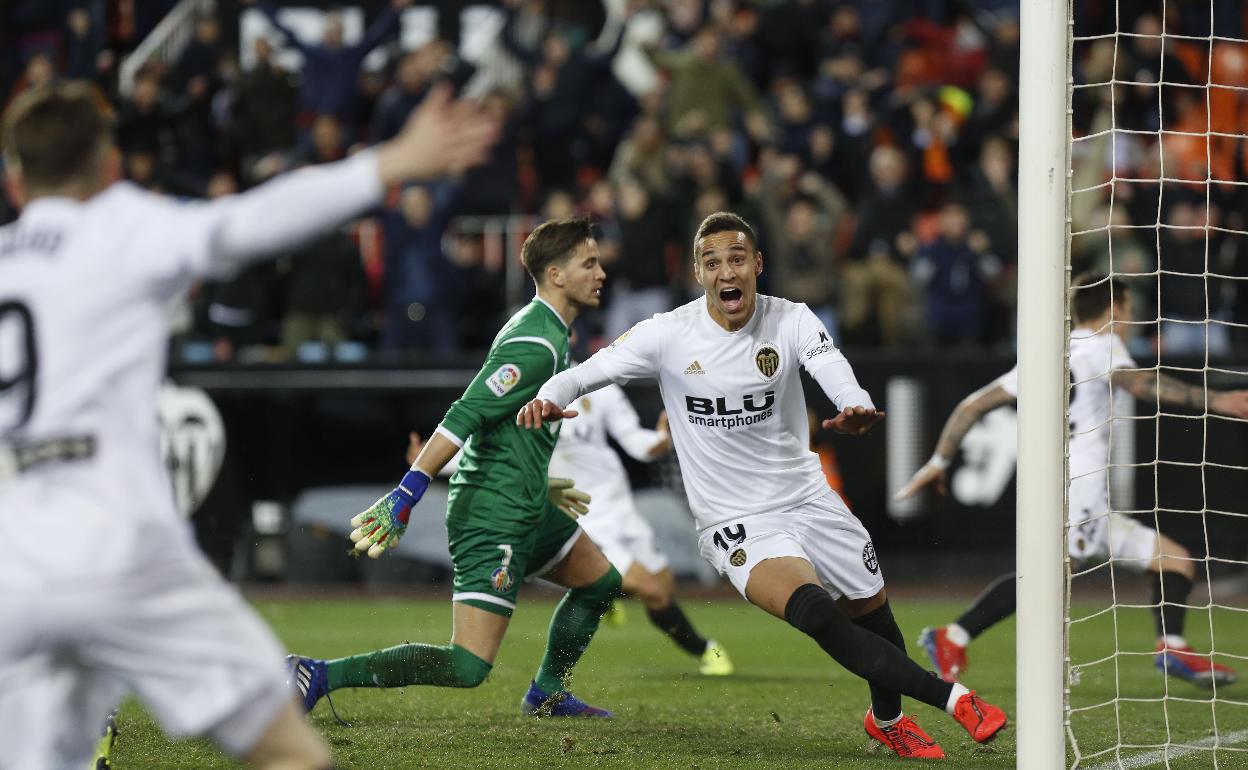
[{"x": 1043, "y": 171}]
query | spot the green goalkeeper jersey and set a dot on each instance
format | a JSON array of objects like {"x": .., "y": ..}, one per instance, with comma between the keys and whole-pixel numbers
[{"x": 499, "y": 456}]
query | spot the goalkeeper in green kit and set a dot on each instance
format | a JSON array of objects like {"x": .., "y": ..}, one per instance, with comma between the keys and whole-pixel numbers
[{"x": 505, "y": 520}]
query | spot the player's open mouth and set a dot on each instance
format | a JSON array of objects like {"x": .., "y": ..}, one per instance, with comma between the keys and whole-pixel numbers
[{"x": 732, "y": 298}]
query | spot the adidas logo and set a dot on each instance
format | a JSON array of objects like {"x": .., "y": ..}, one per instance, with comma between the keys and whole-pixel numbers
[{"x": 695, "y": 368}]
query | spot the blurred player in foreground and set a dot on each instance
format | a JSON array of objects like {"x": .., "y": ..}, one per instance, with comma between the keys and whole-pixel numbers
[
  {"x": 103, "y": 592},
  {"x": 728, "y": 366},
  {"x": 504, "y": 517},
  {"x": 1099, "y": 363}
]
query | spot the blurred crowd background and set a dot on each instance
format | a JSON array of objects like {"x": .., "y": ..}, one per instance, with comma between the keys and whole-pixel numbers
[{"x": 872, "y": 142}]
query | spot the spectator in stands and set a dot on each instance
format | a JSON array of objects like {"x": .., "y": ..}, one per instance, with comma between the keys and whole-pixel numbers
[
  {"x": 265, "y": 108},
  {"x": 200, "y": 58},
  {"x": 800, "y": 217},
  {"x": 639, "y": 283},
  {"x": 326, "y": 293},
  {"x": 953, "y": 272},
  {"x": 1185, "y": 292},
  {"x": 412, "y": 78},
  {"x": 85, "y": 57},
  {"x": 990, "y": 194},
  {"x": 707, "y": 92},
  {"x": 328, "y": 142},
  {"x": 643, "y": 155},
  {"x": 420, "y": 290},
  {"x": 330, "y": 68},
  {"x": 561, "y": 83},
  {"x": 875, "y": 283},
  {"x": 146, "y": 123},
  {"x": 494, "y": 186}
]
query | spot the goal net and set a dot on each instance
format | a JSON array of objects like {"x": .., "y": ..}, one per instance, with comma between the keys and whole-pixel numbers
[{"x": 1157, "y": 200}]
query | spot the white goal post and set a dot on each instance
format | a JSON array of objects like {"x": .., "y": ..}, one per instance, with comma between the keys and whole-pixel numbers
[{"x": 1044, "y": 129}]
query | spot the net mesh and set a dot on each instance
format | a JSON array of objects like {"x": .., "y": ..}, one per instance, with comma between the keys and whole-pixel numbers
[{"x": 1158, "y": 100}]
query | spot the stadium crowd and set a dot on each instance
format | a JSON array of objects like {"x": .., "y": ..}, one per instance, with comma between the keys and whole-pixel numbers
[{"x": 873, "y": 143}]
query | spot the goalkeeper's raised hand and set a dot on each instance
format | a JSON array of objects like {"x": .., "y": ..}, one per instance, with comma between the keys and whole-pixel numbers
[
  {"x": 380, "y": 527},
  {"x": 567, "y": 497}
]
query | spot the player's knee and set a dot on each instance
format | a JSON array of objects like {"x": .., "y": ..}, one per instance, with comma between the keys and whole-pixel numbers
[
  {"x": 469, "y": 670},
  {"x": 599, "y": 593},
  {"x": 814, "y": 612}
]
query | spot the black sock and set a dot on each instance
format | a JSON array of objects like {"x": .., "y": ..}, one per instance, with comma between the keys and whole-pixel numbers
[
  {"x": 671, "y": 620},
  {"x": 995, "y": 604},
  {"x": 815, "y": 613},
  {"x": 885, "y": 702},
  {"x": 1169, "y": 617}
]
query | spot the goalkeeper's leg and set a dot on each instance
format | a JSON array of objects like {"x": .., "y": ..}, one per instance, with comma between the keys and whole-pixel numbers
[{"x": 593, "y": 583}]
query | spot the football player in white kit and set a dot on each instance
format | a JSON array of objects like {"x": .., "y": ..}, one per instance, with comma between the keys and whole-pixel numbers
[
  {"x": 613, "y": 522},
  {"x": 727, "y": 365},
  {"x": 103, "y": 592},
  {"x": 1099, "y": 363}
]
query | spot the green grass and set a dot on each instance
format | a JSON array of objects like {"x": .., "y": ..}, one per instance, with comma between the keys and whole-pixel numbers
[{"x": 788, "y": 705}]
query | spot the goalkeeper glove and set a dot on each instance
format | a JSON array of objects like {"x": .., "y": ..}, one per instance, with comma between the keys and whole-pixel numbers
[
  {"x": 381, "y": 526},
  {"x": 567, "y": 498}
]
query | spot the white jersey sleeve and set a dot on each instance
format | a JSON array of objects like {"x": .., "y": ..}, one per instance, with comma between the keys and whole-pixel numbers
[
  {"x": 635, "y": 354},
  {"x": 176, "y": 241},
  {"x": 825, "y": 362},
  {"x": 624, "y": 425}
]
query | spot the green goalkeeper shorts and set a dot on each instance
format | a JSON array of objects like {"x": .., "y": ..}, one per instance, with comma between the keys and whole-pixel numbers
[{"x": 494, "y": 546}]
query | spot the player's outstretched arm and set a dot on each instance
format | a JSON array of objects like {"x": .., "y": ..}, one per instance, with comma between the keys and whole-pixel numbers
[
  {"x": 1152, "y": 387},
  {"x": 965, "y": 415},
  {"x": 380, "y": 528}
]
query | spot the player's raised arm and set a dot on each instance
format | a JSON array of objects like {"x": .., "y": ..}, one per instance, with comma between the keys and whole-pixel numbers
[
  {"x": 1152, "y": 387},
  {"x": 966, "y": 414}
]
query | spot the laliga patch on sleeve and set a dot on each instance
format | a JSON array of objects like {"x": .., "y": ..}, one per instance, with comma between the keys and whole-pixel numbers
[{"x": 504, "y": 379}]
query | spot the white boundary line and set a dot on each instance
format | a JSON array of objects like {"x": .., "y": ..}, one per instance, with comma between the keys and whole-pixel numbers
[{"x": 1158, "y": 756}]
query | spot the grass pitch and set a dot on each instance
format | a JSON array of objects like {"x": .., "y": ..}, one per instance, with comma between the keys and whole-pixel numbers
[{"x": 788, "y": 705}]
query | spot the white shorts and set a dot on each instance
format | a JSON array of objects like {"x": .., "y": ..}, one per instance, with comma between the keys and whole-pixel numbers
[
  {"x": 181, "y": 639},
  {"x": 1096, "y": 534},
  {"x": 624, "y": 537},
  {"x": 823, "y": 531}
]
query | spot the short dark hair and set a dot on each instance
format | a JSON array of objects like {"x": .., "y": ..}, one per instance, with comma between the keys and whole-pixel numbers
[
  {"x": 56, "y": 133},
  {"x": 1091, "y": 294},
  {"x": 553, "y": 242},
  {"x": 723, "y": 222}
]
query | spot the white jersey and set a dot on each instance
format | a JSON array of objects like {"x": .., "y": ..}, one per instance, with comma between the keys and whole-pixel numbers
[
  {"x": 734, "y": 399},
  {"x": 1092, "y": 357},
  {"x": 583, "y": 454},
  {"x": 85, "y": 290}
]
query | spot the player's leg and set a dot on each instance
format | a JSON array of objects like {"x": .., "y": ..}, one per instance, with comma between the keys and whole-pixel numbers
[
  {"x": 577, "y": 564},
  {"x": 1172, "y": 571},
  {"x": 946, "y": 645},
  {"x": 289, "y": 743},
  {"x": 465, "y": 662},
  {"x": 487, "y": 564}
]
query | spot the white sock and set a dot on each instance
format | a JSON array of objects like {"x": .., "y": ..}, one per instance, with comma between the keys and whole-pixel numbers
[
  {"x": 957, "y": 635},
  {"x": 954, "y": 696},
  {"x": 881, "y": 723},
  {"x": 1174, "y": 642}
]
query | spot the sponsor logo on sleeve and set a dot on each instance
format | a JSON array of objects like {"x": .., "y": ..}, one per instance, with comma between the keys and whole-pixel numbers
[
  {"x": 868, "y": 558},
  {"x": 503, "y": 380},
  {"x": 822, "y": 346}
]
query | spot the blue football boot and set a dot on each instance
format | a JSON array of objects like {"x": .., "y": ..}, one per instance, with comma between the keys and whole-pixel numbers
[{"x": 563, "y": 704}]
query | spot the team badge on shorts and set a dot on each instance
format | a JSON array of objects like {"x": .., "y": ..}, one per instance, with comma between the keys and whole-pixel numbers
[
  {"x": 868, "y": 558},
  {"x": 767, "y": 359},
  {"x": 737, "y": 558},
  {"x": 501, "y": 579}
]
